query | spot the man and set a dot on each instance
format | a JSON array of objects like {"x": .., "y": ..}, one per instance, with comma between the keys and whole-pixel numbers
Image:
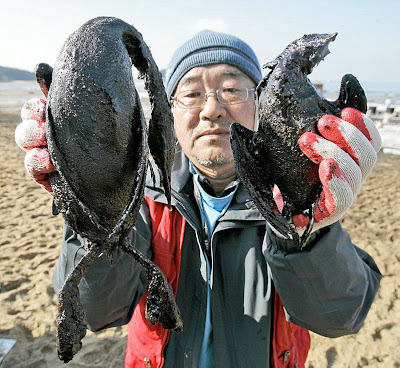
[{"x": 230, "y": 271}]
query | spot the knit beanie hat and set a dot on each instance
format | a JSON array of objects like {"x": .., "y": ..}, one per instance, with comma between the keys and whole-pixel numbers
[{"x": 207, "y": 48}]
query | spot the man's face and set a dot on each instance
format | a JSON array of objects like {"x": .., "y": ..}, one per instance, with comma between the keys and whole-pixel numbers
[{"x": 203, "y": 132}]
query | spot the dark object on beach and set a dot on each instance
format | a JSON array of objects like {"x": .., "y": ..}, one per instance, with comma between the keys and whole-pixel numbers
[
  {"x": 99, "y": 142},
  {"x": 44, "y": 73},
  {"x": 289, "y": 105}
]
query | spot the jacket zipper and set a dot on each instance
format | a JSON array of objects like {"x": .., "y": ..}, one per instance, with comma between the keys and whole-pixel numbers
[
  {"x": 286, "y": 355},
  {"x": 190, "y": 215},
  {"x": 147, "y": 362},
  {"x": 191, "y": 218}
]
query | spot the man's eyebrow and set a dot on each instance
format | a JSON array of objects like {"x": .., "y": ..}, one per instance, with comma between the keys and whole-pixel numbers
[
  {"x": 188, "y": 80},
  {"x": 233, "y": 72}
]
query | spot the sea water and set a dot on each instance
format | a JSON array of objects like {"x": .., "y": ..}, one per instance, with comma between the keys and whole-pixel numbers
[{"x": 16, "y": 93}]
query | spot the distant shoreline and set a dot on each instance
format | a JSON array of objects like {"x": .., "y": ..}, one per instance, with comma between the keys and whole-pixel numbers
[{"x": 11, "y": 74}]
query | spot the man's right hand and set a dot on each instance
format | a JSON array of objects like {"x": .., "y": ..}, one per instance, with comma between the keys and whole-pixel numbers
[{"x": 30, "y": 135}]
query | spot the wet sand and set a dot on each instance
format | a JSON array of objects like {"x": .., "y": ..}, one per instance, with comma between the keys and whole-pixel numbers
[{"x": 30, "y": 242}]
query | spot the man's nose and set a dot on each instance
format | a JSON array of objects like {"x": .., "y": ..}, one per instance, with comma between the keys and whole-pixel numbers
[{"x": 212, "y": 109}]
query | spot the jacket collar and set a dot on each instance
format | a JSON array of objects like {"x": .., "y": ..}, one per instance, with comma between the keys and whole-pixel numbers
[{"x": 241, "y": 208}]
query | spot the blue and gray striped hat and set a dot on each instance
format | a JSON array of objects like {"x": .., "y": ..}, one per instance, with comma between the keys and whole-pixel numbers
[{"x": 207, "y": 48}]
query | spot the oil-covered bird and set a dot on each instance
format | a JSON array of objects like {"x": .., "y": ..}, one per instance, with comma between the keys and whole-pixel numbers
[
  {"x": 289, "y": 105},
  {"x": 99, "y": 142}
]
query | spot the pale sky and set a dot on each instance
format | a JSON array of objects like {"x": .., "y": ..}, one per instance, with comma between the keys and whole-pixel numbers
[{"x": 368, "y": 43}]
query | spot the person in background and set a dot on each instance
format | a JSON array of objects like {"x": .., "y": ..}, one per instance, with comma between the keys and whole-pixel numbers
[{"x": 247, "y": 296}]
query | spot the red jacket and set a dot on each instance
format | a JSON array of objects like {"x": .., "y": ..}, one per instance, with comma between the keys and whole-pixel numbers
[{"x": 146, "y": 343}]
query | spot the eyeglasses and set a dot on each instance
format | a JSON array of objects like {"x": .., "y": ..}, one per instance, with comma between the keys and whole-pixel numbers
[{"x": 225, "y": 96}]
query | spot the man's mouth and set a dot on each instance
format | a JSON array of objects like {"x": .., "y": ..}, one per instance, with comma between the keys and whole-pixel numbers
[{"x": 214, "y": 132}]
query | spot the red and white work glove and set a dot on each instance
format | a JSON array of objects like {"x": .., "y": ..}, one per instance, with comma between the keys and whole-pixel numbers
[
  {"x": 30, "y": 135},
  {"x": 346, "y": 154}
]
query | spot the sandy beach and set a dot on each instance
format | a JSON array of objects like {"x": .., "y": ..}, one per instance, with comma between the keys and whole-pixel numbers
[{"x": 30, "y": 242}]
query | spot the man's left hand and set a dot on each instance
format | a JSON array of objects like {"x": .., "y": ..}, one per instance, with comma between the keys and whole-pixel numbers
[{"x": 345, "y": 154}]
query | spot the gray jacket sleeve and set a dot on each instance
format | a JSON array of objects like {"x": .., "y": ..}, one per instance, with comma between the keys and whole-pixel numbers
[
  {"x": 108, "y": 293},
  {"x": 329, "y": 289}
]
